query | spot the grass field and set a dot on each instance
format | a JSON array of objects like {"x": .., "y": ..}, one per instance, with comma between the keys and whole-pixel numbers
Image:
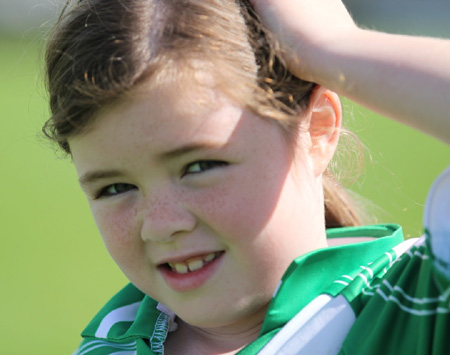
[{"x": 55, "y": 271}]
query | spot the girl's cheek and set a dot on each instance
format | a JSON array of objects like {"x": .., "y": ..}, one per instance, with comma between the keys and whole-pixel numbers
[
  {"x": 118, "y": 227},
  {"x": 241, "y": 207}
]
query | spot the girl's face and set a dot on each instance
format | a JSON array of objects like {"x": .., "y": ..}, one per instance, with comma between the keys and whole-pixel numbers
[{"x": 203, "y": 208}]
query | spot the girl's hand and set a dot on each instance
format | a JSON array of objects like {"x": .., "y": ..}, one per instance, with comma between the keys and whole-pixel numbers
[{"x": 304, "y": 27}]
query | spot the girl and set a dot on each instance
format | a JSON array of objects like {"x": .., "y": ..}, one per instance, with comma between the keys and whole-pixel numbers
[{"x": 204, "y": 160}]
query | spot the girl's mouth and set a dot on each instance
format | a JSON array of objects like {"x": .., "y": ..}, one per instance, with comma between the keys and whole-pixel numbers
[
  {"x": 192, "y": 273},
  {"x": 192, "y": 264}
]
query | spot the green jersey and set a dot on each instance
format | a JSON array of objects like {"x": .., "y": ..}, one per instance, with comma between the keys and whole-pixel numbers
[{"x": 374, "y": 297}]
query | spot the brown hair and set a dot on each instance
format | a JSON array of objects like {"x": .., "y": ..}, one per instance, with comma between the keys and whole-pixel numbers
[{"x": 100, "y": 50}]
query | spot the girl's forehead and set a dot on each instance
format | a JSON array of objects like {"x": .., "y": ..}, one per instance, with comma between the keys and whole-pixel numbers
[
  {"x": 181, "y": 98},
  {"x": 192, "y": 86},
  {"x": 169, "y": 108},
  {"x": 162, "y": 115}
]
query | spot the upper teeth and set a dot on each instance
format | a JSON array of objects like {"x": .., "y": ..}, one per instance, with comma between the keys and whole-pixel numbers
[
  {"x": 180, "y": 268},
  {"x": 191, "y": 264}
]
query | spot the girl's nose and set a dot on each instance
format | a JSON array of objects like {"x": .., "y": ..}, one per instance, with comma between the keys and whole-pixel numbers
[{"x": 165, "y": 217}]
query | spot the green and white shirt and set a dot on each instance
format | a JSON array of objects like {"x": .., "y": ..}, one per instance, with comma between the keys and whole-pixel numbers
[{"x": 375, "y": 297}]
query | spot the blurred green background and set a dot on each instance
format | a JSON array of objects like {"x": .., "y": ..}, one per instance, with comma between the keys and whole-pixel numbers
[{"x": 55, "y": 271}]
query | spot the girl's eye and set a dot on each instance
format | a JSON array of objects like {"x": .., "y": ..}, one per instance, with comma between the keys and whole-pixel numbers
[
  {"x": 202, "y": 166},
  {"x": 115, "y": 189}
]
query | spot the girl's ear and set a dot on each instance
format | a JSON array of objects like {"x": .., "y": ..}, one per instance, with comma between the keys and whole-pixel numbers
[{"x": 324, "y": 124}]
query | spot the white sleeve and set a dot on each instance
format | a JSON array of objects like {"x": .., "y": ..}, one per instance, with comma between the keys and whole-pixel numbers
[{"x": 437, "y": 223}]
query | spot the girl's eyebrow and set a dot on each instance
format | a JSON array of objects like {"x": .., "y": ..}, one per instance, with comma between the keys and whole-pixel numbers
[
  {"x": 186, "y": 149},
  {"x": 90, "y": 177}
]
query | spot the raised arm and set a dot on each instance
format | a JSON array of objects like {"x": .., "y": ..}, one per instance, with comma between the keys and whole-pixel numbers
[{"x": 403, "y": 77}]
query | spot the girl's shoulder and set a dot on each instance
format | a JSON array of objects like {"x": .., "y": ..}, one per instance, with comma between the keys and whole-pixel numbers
[{"x": 408, "y": 309}]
